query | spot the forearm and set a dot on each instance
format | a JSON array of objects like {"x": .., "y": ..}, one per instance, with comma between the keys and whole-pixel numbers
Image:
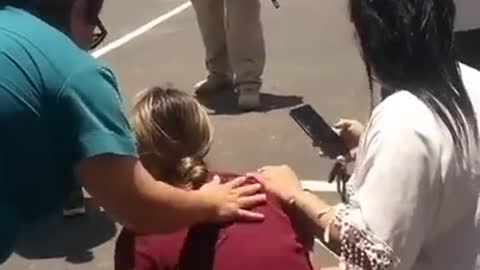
[
  {"x": 320, "y": 214},
  {"x": 157, "y": 207},
  {"x": 342, "y": 228},
  {"x": 133, "y": 197},
  {"x": 323, "y": 220}
]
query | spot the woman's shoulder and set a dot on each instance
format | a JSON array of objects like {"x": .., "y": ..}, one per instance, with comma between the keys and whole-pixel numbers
[
  {"x": 403, "y": 119},
  {"x": 403, "y": 112},
  {"x": 401, "y": 105},
  {"x": 272, "y": 200}
]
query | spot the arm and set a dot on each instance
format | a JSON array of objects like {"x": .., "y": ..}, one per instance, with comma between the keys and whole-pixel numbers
[
  {"x": 108, "y": 167},
  {"x": 131, "y": 195},
  {"x": 128, "y": 192},
  {"x": 309, "y": 204},
  {"x": 386, "y": 222}
]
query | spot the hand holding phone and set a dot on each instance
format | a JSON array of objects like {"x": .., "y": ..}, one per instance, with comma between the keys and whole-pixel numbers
[
  {"x": 350, "y": 131},
  {"x": 322, "y": 135}
]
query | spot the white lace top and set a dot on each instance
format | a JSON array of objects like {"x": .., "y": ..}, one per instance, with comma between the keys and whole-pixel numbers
[{"x": 412, "y": 207}]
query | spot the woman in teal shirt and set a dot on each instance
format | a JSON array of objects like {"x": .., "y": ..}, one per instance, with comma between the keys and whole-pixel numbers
[{"x": 61, "y": 121}]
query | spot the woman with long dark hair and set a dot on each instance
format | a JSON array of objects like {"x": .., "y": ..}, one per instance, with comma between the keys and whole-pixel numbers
[{"x": 414, "y": 194}]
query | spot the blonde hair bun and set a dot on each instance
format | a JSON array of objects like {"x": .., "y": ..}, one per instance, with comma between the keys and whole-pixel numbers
[
  {"x": 194, "y": 170},
  {"x": 174, "y": 134}
]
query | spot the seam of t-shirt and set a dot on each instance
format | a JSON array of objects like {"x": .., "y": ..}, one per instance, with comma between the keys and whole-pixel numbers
[
  {"x": 98, "y": 133},
  {"x": 83, "y": 69},
  {"x": 124, "y": 139},
  {"x": 94, "y": 65},
  {"x": 38, "y": 20},
  {"x": 80, "y": 69},
  {"x": 24, "y": 38}
]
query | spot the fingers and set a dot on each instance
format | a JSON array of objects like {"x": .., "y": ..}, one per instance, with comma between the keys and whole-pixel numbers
[
  {"x": 216, "y": 180},
  {"x": 237, "y": 182},
  {"x": 265, "y": 168},
  {"x": 250, "y": 215},
  {"x": 269, "y": 168},
  {"x": 252, "y": 201},
  {"x": 337, "y": 130},
  {"x": 341, "y": 124},
  {"x": 256, "y": 175},
  {"x": 341, "y": 159},
  {"x": 349, "y": 157},
  {"x": 248, "y": 189}
]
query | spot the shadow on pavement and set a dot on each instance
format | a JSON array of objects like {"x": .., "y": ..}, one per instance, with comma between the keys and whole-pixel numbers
[
  {"x": 468, "y": 47},
  {"x": 226, "y": 102},
  {"x": 71, "y": 238}
]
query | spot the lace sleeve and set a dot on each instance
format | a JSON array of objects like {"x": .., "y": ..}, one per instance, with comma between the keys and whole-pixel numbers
[{"x": 360, "y": 249}]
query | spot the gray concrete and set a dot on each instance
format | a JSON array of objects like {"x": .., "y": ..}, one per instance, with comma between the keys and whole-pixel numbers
[{"x": 312, "y": 58}]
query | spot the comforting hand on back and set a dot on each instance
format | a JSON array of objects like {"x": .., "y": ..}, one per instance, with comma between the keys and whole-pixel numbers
[{"x": 233, "y": 198}]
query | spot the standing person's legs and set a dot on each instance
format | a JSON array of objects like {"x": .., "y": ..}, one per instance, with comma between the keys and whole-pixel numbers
[
  {"x": 211, "y": 21},
  {"x": 247, "y": 49}
]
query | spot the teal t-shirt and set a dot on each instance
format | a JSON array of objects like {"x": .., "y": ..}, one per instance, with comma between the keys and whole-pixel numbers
[{"x": 58, "y": 106}]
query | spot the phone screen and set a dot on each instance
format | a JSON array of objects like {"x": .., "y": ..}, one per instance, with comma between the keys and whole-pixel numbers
[{"x": 319, "y": 131}]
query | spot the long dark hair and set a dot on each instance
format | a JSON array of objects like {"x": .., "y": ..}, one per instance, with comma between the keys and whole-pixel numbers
[{"x": 409, "y": 45}]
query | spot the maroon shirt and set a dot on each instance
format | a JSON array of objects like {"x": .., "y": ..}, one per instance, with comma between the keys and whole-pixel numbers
[{"x": 273, "y": 244}]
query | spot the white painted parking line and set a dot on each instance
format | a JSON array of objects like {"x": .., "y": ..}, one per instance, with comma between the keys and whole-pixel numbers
[{"x": 140, "y": 31}]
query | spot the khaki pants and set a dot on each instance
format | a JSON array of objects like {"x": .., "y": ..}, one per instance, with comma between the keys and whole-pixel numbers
[{"x": 233, "y": 37}]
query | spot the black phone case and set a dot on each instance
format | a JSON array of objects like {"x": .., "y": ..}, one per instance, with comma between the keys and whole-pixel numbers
[{"x": 319, "y": 131}]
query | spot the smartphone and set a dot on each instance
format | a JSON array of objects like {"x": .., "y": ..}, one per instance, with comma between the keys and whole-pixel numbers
[{"x": 319, "y": 131}]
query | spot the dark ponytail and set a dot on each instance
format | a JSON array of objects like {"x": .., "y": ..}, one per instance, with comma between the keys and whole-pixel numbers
[{"x": 409, "y": 45}]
